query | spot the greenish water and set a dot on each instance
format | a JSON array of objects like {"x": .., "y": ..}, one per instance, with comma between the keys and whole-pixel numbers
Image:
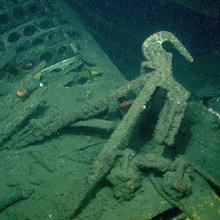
[{"x": 103, "y": 114}]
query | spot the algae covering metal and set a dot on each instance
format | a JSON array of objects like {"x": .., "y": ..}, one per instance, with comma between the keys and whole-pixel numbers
[
  {"x": 51, "y": 50},
  {"x": 178, "y": 181},
  {"x": 51, "y": 135}
]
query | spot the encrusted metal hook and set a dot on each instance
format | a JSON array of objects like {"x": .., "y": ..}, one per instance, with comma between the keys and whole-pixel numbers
[{"x": 156, "y": 56}]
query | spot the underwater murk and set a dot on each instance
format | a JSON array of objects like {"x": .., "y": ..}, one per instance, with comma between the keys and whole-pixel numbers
[{"x": 110, "y": 110}]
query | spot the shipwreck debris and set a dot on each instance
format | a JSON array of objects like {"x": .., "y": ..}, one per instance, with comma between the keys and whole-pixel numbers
[{"x": 160, "y": 60}]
